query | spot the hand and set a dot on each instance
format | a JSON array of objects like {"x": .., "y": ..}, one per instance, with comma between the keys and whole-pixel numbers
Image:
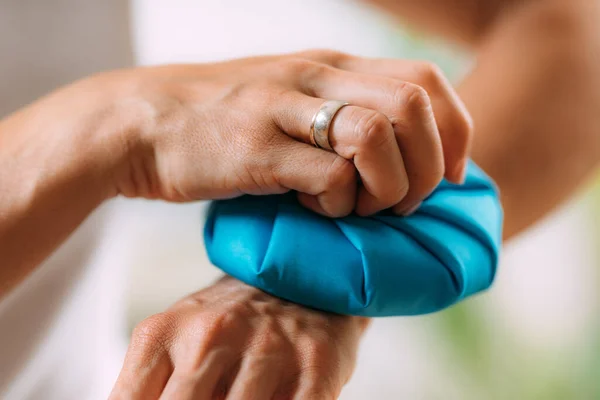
[
  {"x": 242, "y": 127},
  {"x": 234, "y": 341}
]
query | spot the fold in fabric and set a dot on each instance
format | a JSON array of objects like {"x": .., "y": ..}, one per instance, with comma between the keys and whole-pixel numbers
[{"x": 374, "y": 266}]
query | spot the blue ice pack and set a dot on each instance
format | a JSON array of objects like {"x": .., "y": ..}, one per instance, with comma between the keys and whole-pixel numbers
[{"x": 374, "y": 266}]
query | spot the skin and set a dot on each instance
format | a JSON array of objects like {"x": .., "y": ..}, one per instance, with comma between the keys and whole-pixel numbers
[
  {"x": 234, "y": 341},
  {"x": 535, "y": 134},
  {"x": 193, "y": 132}
]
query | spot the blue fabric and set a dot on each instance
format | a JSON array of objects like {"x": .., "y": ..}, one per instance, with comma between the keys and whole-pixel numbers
[{"x": 373, "y": 266}]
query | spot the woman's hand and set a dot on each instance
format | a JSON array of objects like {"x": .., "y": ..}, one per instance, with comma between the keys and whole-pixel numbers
[
  {"x": 192, "y": 132},
  {"x": 234, "y": 341},
  {"x": 242, "y": 127}
]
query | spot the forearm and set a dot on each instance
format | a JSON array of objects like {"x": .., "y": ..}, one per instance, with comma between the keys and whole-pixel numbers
[
  {"x": 534, "y": 100},
  {"x": 532, "y": 95},
  {"x": 55, "y": 156}
]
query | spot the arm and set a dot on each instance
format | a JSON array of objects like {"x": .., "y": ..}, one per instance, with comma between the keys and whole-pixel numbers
[
  {"x": 56, "y": 157},
  {"x": 532, "y": 93},
  {"x": 193, "y": 132}
]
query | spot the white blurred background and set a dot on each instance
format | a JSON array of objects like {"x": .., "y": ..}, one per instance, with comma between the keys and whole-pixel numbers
[{"x": 533, "y": 336}]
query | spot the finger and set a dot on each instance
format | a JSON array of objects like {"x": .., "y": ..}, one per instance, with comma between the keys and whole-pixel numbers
[
  {"x": 258, "y": 377},
  {"x": 317, "y": 385},
  {"x": 325, "y": 181},
  {"x": 408, "y": 107},
  {"x": 359, "y": 134},
  {"x": 199, "y": 382},
  {"x": 147, "y": 365},
  {"x": 454, "y": 121},
  {"x": 322, "y": 364},
  {"x": 142, "y": 377}
]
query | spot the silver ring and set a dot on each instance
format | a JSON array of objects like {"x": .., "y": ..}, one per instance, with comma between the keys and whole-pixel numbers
[{"x": 319, "y": 128}]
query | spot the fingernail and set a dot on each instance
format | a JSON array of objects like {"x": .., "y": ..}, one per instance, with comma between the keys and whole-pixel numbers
[
  {"x": 462, "y": 171},
  {"x": 411, "y": 210}
]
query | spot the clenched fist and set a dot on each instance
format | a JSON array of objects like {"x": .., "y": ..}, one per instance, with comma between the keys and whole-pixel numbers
[{"x": 193, "y": 132}]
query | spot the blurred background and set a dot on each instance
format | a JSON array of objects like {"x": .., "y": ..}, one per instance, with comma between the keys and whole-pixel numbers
[{"x": 534, "y": 335}]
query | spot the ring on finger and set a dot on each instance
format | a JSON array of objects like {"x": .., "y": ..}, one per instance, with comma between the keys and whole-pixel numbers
[{"x": 319, "y": 128}]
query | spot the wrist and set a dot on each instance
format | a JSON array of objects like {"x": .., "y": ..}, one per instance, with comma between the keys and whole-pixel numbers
[
  {"x": 104, "y": 134},
  {"x": 128, "y": 165},
  {"x": 73, "y": 143},
  {"x": 58, "y": 143}
]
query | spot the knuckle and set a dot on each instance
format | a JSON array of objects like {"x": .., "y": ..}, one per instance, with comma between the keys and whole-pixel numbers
[
  {"x": 431, "y": 74},
  {"x": 208, "y": 329},
  {"x": 261, "y": 94},
  {"x": 331, "y": 57},
  {"x": 265, "y": 307},
  {"x": 154, "y": 332},
  {"x": 372, "y": 129},
  {"x": 302, "y": 68},
  {"x": 340, "y": 173},
  {"x": 239, "y": 91},
  {"x": 434, "y": 79},
  {"x": 229, "y": 319},
  {"x": 412, "y": 96}
]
